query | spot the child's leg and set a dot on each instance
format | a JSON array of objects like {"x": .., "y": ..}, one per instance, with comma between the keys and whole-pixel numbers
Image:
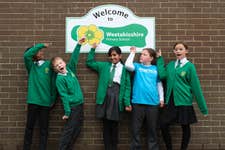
[
  {"x": 166, "y": 136},
  {"x": 186, "y": 136},
  {"x": 107, "y": 134},
  {"x": 110, "y": 134},
  {"x": 168, "y": 116},
  {"x": 114, "y": 131},
  {"x": 79, "y": 116},
  {"x": 43, "y": 123},
  {"x": 72, "y": 128},
  {"x": 66, "y": 136},
  {"x": 31, "y": 118},
  {"x": 138, "y": 116},
  {"x": 152, "y": 123}
]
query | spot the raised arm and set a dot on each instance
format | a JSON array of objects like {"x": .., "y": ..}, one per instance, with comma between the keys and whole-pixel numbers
[
  {"x": 90, "y": 61},
  {"x": 75, "y": 56},
  {"x": 31, "y": 52},
  {"x": 161, "y": 65},
  {"x": 129, "y": 62}
]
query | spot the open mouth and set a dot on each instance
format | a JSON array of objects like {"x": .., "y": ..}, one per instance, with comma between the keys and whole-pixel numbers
[{"x": 60, "y": 69}]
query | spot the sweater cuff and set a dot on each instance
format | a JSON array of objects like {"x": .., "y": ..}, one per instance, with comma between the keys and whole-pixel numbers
[
  {"x": 205, "y": 112},
  {"x": 67, "y": 113}
]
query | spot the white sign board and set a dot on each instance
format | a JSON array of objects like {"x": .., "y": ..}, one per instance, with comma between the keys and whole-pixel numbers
[{"x": 110, "y": 25}]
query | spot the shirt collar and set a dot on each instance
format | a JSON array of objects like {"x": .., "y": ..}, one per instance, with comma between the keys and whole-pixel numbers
[
  {"x": 182, "y": 61},
  {"x": 63, "y": 74},
  {"x": 39, "y": 63},
  {"x": 118, "y": 64}
]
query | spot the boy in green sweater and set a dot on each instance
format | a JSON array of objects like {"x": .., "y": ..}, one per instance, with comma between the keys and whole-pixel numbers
[
  {"x": 71, "y": 95},
  {"x": 41, "y": 93},
  {"x": 182, "y": 87}
]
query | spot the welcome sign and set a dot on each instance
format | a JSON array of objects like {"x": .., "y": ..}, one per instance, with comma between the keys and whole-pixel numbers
[{"x": 110, "y": 25}]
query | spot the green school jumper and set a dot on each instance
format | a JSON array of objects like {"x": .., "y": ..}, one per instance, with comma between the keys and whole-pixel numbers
[
  {"x": 68, "y": 85},
  {"x": 41, "y": 82},
  {"x": 184, "y": 84},
  {"x": 103, "y": 69}
]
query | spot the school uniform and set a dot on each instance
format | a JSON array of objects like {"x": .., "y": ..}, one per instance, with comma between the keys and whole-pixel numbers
[
  {"x": 110, "y": 98},
  {"x": 145, "y": 102},
  {"x": 72, "y": 98},
  {"x": 182, "y": 84},
  {"x": 40, "y": 96}
]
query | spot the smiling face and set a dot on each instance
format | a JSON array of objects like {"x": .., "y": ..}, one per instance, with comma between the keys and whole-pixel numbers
[
  {"x": 180, "y": 50},
  {"x": 115, "y": 57},
  {"x": 115, "y": 54},
  {"x": 59, "y": 65}
]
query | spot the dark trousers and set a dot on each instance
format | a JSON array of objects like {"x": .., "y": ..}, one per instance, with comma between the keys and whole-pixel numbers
[
  {"x": 40, "y": 113},
  {"x": 141, "y": 113},
  {"x": 167, "y": 137},
  {"x": 72, "y": 128},
  {"x": 110, "y": 134}
]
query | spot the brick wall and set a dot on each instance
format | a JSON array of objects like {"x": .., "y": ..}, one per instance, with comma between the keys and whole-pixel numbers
[{"x": 200, "y": 23}]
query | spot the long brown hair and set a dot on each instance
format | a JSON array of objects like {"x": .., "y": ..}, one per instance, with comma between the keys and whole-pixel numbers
[{"x": 152, "y": 53}]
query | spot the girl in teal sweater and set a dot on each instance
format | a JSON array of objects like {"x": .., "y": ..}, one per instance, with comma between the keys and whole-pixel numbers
[
  {"x": 182, "y": 86},
  {"x": 113, "y": 93}
]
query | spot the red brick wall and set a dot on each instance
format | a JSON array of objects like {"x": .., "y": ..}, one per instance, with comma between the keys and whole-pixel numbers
[{"x": 200, "y": 23}]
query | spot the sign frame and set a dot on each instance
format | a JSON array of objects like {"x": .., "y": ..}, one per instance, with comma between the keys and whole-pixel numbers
[{"x": 110, "y": 25}]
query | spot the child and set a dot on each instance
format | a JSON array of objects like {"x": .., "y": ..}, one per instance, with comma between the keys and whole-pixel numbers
[
  {"x": 41, "y": 93},
  {"x": 182, "y": 81},
  {"x": 146, "y": 98},
  {"x": 113, "y": 93},
  {"x": 71, "y": 96}
]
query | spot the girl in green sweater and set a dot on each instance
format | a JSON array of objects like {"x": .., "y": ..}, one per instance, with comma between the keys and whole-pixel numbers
[
  {"x": 113, "y": 93},
  {"x": 182, "y": 87}
]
